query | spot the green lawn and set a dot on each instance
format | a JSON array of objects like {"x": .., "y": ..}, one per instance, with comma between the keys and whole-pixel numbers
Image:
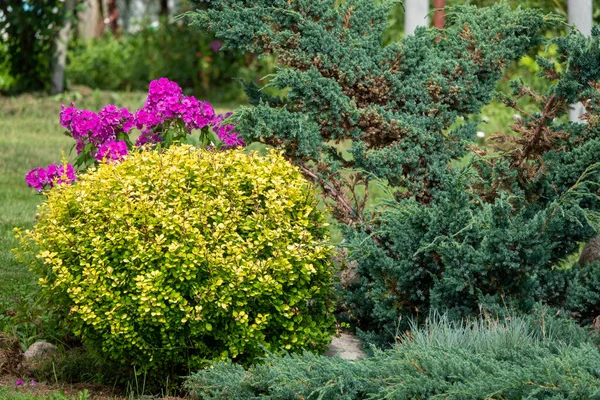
[{"x": 30, "y": 137}]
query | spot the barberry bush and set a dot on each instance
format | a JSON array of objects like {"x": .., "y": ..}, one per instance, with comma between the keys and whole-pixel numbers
[
  {"x": 174, "y": 257},
  {"x": 469, "y": 227}
]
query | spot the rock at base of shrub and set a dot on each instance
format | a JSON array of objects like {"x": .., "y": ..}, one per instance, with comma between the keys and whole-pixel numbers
[
  {"x": 40, "y": 349},
  {"x": 347, "y": 346},
  {"x": 591, "y": 252}
]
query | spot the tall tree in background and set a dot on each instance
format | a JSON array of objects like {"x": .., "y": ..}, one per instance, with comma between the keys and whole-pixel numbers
[
  {"x": 113, "y": 16},
  {"x": 164, "y": 8},
  {"x": 61, "y": 46},
  {"x": 29, "y": 30},
  {"x": 439, "y": 19}
]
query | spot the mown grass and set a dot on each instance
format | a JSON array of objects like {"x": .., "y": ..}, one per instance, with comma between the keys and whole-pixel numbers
[{"x": 31, "y": 137}]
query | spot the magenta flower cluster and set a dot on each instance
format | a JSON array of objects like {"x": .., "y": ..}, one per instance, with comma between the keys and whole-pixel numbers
[
  {"x": 99, "y": 135},
  {"x": 226, "y": 134},
  {"x": 41, "y": 178},
  {"x": 165, "y": 103},
  {"x": 88, "y": 127},
  {"x": 111, "y": 151}
]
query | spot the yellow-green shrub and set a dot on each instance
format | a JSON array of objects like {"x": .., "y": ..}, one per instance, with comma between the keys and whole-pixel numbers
[{"x": 186, "y": 255}]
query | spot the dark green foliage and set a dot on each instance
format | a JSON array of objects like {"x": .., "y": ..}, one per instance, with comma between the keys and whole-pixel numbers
[
  {"x": 537, "y": 357},
  {"x": 28, "y": 29},
  {"x": 470, "y": 228},
  {"x": 132, "y": 60},
  {"x": 584, "y": 292},
  {"x": 395, "y": 102}
]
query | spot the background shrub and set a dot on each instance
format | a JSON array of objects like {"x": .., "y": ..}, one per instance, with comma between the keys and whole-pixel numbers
[
  {"x": 196, "y": 62},
  {"x": 28, "y": 30},
  {"x": 172, "y": 258},
  {"x": 533, "y": 357}
]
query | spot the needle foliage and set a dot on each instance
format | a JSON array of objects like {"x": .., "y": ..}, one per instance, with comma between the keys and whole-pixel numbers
[{"x": 469, "y": 227}]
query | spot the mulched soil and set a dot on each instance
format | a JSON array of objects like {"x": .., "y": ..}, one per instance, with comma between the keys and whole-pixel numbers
[{"x": 98, "y": 392}]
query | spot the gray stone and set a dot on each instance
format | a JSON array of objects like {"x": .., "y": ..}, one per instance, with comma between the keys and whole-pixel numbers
[
  {"x": 40, "y": 349},
  {"x": 347, "y": 270},
  {"x": 347, "y": 346},
  {"x": 591, "y": 252}
]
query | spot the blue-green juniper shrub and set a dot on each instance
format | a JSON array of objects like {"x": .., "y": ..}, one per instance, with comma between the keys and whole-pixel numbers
[
  {"x": 539, "y": 357},
  {"x": 469, "y": 228}
]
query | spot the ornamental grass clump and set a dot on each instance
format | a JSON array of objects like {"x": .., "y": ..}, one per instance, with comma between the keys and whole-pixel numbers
[{"x": 173, "y": 257}]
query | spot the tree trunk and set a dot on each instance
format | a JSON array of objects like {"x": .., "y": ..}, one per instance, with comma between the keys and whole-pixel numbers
[
  {"x": 60, "y": 55},
  {"x": 439, "y": 19},
  {"x": 580, "y": 14},
  {"x": 164, "y": 8},
  {"x": 90, "y": 20},
  {"x": 113, "y": 16},
  {"x": 415, "y": 14},
  {"x": 102, "y": 18}
]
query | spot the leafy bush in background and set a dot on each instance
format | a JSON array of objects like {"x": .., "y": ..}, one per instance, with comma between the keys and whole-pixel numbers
[
  {"x": 28, "y": 30},
  {"x": 469, "y": 227},
  {"x": 534, "y": 357},
  {"x": 197, "y": 63},
  {"x": 6, "y": 79},
  {"x": 172, "y": 258}
]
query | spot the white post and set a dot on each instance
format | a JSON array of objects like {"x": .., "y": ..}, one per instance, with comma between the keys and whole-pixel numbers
[
  {"x": 580, "y": 14},
  {"x": 415, "y": 14}
]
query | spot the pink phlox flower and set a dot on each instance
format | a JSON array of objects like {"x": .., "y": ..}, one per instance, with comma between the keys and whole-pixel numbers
[
  {"x": 160, "y": 89},
  {"x": 40, "y": 178},
  {"x": 148, "y": 137},
  {"x": 144, "y": 117},
  {"x": 226, "y": 132},
  {"x": 166, "y": 102},
  {"x": 227, "y": 135},
  {"x": 37, "y": 178},
  {"x": 19, "y": 382},
  {"x": 65, "y": 176},
  {"x": 88, "y": 127},
  {"x": 216, "y": 45},
  {"x": 115, "y": 119},
  {"x": 66, "y": 115},
  {"x": 112, "y": 151}
]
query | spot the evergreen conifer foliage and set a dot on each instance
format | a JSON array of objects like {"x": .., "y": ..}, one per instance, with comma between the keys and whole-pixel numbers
[
  {"x": 394, "y": 102},
  {"x": 455, "y": 238}
]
